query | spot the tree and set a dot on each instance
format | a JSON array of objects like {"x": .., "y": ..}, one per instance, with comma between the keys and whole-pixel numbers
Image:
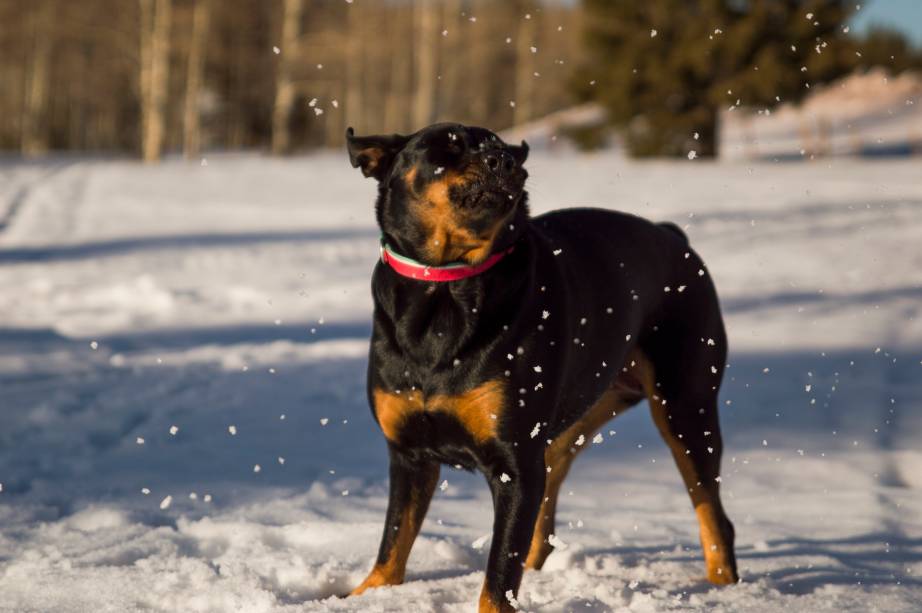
[
  {"x": 425, "y": 16},
  {"x": 155, "y": 73},
  {"x": 35, "y": 122},
  {"x": 888, "y": 48},
  {"x": 524, "y": 68},
  {"x": 664, "y": 68},
  {"x": 292, "y": 11},
  {"x": 355, "y": 74},
  {"x": 194, "y": 75}
]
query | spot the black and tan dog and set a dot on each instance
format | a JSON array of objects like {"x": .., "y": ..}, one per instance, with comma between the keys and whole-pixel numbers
[{"x": 502, "y": 343}]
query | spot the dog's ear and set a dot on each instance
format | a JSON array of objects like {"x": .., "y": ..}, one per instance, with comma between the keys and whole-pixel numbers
[
  {"x": 520, "y": 153},
  {"x": 374, "y": 154}
]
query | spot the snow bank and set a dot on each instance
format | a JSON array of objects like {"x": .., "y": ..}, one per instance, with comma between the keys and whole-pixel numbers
[{"x": 167, "y": 329}]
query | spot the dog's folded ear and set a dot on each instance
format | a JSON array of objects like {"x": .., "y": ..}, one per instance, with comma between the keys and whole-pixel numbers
[
  {"x": 374, "y": 154},
  {"x": 520, "y": 153}
]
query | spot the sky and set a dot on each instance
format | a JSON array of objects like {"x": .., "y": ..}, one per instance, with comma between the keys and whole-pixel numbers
[{"x": 903, "y": 15}]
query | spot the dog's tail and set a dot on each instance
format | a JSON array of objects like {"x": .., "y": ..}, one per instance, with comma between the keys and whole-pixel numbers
[{"x": 671, "y": 227}]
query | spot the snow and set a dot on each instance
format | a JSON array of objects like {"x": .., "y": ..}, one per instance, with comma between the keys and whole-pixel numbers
[
  {"x": 862, "y": 113},
  {"x": 220, "y": 314}
]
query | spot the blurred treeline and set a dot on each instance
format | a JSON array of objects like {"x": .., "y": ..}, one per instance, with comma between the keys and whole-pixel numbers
[
  {"x": 666, "y": 69},
  {"x": 154, "y": 76}
]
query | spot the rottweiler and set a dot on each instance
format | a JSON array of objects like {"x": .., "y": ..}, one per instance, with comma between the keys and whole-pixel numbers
[{"x": 503, "y": 343}]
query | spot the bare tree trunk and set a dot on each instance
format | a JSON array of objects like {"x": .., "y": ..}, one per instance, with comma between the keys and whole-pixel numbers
[
  {"x": 144, "y": 30},
  {"x": 524, "y": 69},
  {"x": 292, "y": 11},
  {"x": 34, "y": 139},
  {"x": 155, "y": 72},
  {"x": 192, "y": 137},
  {"x": 425, "y": 16},
  {"x": 453, "y": 71},
  {"x": 477, "y": 54},
  {"x": 397, "y": 114},
  {"x": 355, "y": 78}
]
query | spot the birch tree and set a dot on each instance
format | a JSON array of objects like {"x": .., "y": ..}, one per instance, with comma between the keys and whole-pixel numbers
[
  {"x": 192, "y": 139},
  {"x": 35, "y": 133},
  {"x": 155, "y": 73},
  {"x": 425, "y": 52},
  {"x": 524, "y": 68},
  {"x": 292, "y": 12}
]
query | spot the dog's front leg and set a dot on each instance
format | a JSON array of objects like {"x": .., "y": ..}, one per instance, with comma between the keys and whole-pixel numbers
[
  {"x": 411, "y": 489},
  {"x": 517, "y": 492}
]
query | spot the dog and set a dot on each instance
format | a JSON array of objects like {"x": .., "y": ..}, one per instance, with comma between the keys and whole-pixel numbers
[{"x": 503, "y": 343}]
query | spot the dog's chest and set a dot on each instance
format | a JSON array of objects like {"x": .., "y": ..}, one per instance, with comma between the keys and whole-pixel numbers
[{"x": 477, "y": 410}]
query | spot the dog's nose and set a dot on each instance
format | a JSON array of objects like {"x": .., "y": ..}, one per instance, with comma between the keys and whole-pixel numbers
[{"x": 500, "y": 163}]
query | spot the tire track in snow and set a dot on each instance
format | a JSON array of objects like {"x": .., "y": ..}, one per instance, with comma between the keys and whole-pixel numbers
[{"x": 21, "y": 195}]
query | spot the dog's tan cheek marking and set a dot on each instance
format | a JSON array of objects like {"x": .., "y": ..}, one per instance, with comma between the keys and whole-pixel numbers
[
  {"x": 410, "y": 179},
  {"x": 438, "y": 219},
  {"x": 446, "y": 239},
  {"x": 478, "y": 410}
]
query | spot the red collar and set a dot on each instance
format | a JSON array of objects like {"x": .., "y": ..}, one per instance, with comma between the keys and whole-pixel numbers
[{"x": 407, "y": 267}]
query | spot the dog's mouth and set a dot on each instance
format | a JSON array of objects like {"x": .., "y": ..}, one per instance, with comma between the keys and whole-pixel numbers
[{"x": 499, "y": 199}]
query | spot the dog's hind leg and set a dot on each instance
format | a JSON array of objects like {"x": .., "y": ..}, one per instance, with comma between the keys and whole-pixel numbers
[
  {"x": 558, "y": 458},
  {"x": 683, "y": 402}
]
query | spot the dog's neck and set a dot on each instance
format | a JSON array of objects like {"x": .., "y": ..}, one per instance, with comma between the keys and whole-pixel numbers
[{"x": 432, "y": 323}]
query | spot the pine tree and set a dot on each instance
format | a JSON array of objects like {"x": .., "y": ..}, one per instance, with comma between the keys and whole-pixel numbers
[{"x": 665, "y": 68}]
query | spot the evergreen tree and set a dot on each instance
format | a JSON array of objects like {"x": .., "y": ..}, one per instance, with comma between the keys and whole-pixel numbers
[
  {"x": 665, "y": 68},
  {"x": 888, "y": 48}
]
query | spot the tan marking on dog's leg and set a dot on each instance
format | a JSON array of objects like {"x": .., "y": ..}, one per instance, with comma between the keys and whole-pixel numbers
[
  {"x": 559, "y": 456},
  {"x": 488, "y": 605},
  {"x": 697, "y": 459},
  {"x": 714, "y": 545},
  {"x": 393, "y": 571}
]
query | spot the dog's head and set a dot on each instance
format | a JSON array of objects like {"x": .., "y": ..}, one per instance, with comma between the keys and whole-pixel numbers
[{"x": 448, "y": 193}]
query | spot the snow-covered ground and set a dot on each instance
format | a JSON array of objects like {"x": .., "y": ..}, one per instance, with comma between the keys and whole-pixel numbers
[{"x": 231, "y": 301}]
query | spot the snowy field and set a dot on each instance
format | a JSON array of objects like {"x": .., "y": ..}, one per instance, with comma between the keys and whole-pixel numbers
[{"x": 183, "y": 424}]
